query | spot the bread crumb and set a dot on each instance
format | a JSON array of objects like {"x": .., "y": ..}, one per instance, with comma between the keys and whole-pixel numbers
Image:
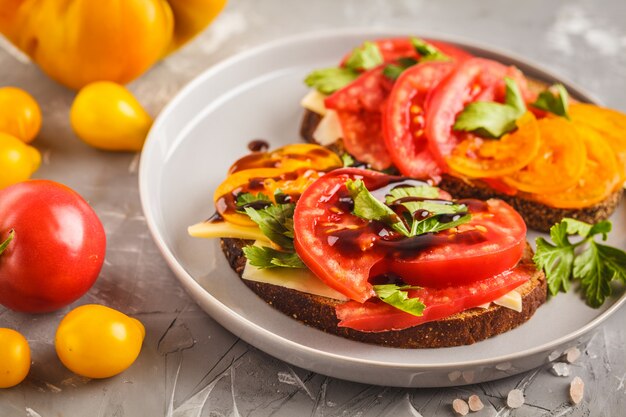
[
  {"x": 475, "y": 404},
  {"x": 460, "y": 407},
  {"x": 577, "y": 390},
  {"x": 572, "y": 354},
  {"x": 515, "y": 399}
]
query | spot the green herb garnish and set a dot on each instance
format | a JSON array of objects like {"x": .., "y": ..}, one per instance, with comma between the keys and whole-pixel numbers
[
  {"x": 556, "y": 102},
  {"x": 427, "y": 51},
  {"x": 275, "y": 222},
  {"x": 329, "y": 80},
  {"x": 266, "y": 257},
  {"x": 364, "y": 57},
  {"x": 368, "y": 207},
  {"x": 393, "y": 71},
  {"x": 398, "y": 297},
  {"x": 492, "y": 120},
  {"x": 251, "y": 199},
  {"x": 593, "y": 264}
]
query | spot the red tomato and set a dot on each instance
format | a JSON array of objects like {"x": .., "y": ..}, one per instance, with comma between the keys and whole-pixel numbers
[
  {"x": 346, "y": 252},
  {"x": 57, "y": 250},
  {"x": 476, "y": 79},
  {"x": 377, "y": 316},
  {"x": 393, "y": 48},
  {"x": 359, "y": 106},
  {"x": 405, "y": 118}
]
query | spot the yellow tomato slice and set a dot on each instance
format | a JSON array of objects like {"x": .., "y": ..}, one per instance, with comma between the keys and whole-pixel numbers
[
  {"x": 487, "y": 158},
  {"x": 559, "y": 163},
  {"x": 601, "y": 177},
  {"x": 290, "y": 157},
  {"x": 610, "y": 123},
  {"x": 260, "y": 180}
]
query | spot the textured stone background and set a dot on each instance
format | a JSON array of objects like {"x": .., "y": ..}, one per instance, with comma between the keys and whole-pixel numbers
[{"x": 189, "y": 365}]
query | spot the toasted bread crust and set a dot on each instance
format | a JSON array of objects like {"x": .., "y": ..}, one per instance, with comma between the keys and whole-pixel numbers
[
  {"x": 460, "y": 329},
  {"x": 537, "y": 216}
]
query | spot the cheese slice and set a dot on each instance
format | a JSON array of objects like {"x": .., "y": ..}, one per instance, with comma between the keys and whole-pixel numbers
[
  {"x": 328, "y": 129},
  {"x": 512, "y": 300},
  {"x": 212, "y": 230},
  {"x": 299, "y": 279},
  {"x": 314, "y": 101}
]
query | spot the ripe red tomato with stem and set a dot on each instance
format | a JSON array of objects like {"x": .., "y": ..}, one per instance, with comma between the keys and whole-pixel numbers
[{"x": 52, "y": 246}]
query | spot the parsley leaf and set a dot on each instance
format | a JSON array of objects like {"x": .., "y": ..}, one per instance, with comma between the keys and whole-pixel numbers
[
  {"x": 393, "y": 71},
  {"x": 434, "y": 224},
  {"x": 427, "y": 51},
  {"x": 425, "y": 191},
  {"x": 593, "y": 264},
  {"x": 365, "y": 57},
  {"x": 276, "y": 222},
  {"x": 557, "y": 262},
  {"x": 266, "y": 257},
  {"x": 368, "y": 207},
  {"x": 251, "y": 199},
  {"x": 347, "y": 160},
  {"x": 556, "y": 102},
  {"x": 329, "y": 80},
  {"x": 398, "y": 297},
  {"x": 490, "y": 119}
]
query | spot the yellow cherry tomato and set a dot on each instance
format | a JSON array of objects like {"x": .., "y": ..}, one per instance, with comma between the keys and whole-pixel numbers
[
  {"x": 18, "y": 161},
  {"x": 107, "y": 116},
  {"x": 14, "y": 358},
  {"x": 97, "y": 341},
  {"x": 20, "y": 115}
]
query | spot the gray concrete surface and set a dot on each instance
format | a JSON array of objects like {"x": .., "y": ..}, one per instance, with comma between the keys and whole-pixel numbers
[{"x": 189, "y": 365}]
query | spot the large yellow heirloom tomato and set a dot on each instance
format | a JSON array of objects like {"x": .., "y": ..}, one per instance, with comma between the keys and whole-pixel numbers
[
  {"x": 20, "y": 115},
  {"x": 107, "y": 116},
  {"x": 97, "y": 341},
  {"x": 18, "y": 161},
  {"x": 81, "y": 41},
  {"x": 14, "y": 358}
]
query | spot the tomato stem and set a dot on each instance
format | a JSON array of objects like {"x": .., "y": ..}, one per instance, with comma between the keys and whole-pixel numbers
[{"x": 8, "y": 240}]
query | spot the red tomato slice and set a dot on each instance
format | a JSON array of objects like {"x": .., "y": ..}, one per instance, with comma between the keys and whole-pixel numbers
[
  {"x": 346, "y": 252},
  {"x": 393, "y": 48},
  {"x": 359, "y": 106},
  {"x": 405, "y": 118},
  {"x": 377, "y": 316},
  {"x": 476, "y": 79}
]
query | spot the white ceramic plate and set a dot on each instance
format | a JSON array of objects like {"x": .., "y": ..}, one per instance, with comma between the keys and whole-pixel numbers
[{"x": 255, "y": 95}]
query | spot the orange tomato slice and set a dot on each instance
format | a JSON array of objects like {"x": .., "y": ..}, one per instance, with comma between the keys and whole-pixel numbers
[
  {"x": 480, "y": 158},
  {"x": 260, "y": 180},
  {"x": 610, "y": 123},
  {"x": 601, "y": 177},
  {"x": 290, "y": 157},
  {"x": 558, "y": 165}
]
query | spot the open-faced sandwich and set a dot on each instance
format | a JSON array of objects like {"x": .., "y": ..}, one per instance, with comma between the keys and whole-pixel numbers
[
  {"x": 390, "y": 233},
  {"x": 478, "y": 128}
]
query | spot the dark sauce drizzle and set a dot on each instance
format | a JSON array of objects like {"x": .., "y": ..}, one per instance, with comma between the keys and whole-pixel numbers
[{"x": 258, "y": 145}]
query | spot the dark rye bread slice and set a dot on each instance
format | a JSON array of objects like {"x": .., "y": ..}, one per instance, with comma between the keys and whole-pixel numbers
[
  {"x": 537, "y": 216},
  {"x": 463, "y": 328}
]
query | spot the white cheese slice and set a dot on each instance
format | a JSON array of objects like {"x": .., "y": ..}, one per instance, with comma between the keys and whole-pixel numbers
[
  {"x": 211, "y": 230},
  {"x": 314, "y": 101},
  {"x": 297, "y": 279},
  {"x": 512, "y": 300},
  {"x": 328, "y": 130}
]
